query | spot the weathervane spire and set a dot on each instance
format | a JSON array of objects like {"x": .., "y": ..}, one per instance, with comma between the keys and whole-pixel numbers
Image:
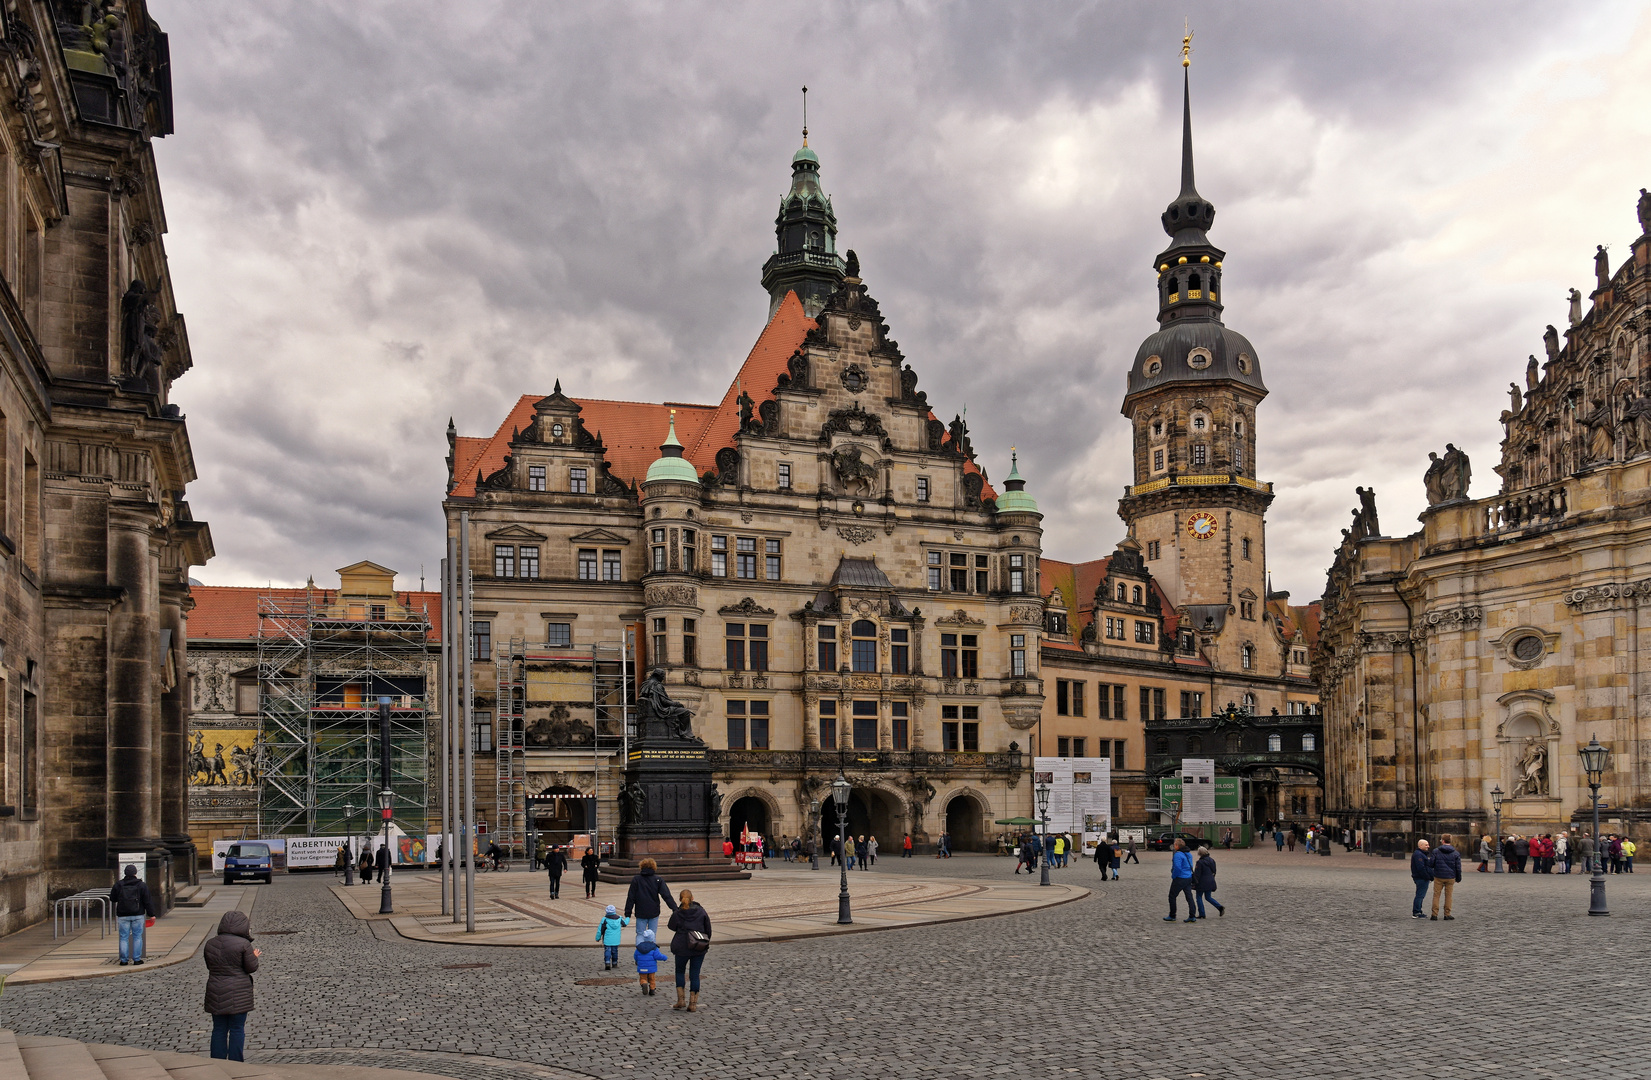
[
  {"x": 805, "y": 116},
  {"x": 1186, "y": 46}
]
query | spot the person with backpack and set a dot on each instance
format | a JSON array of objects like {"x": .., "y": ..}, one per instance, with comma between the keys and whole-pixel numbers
[
  {"x": 691, "y": 941},
  {"x": 134, "y": 908}
]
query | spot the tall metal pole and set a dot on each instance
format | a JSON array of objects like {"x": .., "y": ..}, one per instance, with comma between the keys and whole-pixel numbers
[
  {"x": 1596, "y": 884},
  {"x": 469, "y": 734},
  {"x": 1497, "y": 846},
  {"x": 453, "y": 630},
  {"x": 444, "y": 683}
]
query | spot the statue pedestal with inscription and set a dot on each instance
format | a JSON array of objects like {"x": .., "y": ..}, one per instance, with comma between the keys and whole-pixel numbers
[{"x": 669, "y": 809}]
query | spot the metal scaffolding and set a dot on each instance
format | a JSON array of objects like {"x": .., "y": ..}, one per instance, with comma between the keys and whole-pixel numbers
[{"x": 322, "y": 671}]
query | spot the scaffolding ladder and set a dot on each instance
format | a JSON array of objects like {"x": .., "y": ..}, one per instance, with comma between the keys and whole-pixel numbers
[
  {"x": 510, "y": 750},
  {"x": 286, "y": 695}
]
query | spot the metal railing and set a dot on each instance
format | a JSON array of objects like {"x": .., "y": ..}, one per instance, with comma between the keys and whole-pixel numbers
[
  {"x": 881, "y": 760},
  {"x": 70, "y": 913}
]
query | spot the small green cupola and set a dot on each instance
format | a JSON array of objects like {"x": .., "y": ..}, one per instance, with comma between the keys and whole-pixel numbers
[
  {"x": 805, "y": 259},
  {"x": 671, "y": 465},
  {"x": 1014, "y": 499}
]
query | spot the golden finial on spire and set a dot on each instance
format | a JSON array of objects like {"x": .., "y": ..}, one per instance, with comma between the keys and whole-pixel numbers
[
  {"x": 805, "y": 116},
  {"x": 1186, "y": 46}
]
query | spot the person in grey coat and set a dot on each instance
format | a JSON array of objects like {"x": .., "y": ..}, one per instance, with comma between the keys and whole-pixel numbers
[{"x": 230, "y": 962}]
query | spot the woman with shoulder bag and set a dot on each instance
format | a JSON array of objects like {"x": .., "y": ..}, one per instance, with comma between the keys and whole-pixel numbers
[{"x": 689, "y": 946}]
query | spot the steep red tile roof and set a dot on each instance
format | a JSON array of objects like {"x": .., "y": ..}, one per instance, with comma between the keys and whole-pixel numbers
[
  {"x": 230, "y": 612},
  {"x": 762, "y": 368},
  {"x": 1293, "y": 617},
  {"x": 1078, "y": 582}
]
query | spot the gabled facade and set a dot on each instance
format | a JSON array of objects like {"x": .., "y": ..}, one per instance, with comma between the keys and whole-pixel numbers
[{"x": 817, "y": 561}]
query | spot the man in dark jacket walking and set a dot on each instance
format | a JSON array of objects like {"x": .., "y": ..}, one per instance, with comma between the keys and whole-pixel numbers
[
  {"x": 647, "y": 890},
  {"x": 1421, "y": 872},
  {"x": 556, "y": 861},
  {"x": 133, "y": 907},
  {"x": 1447, "y": 872}
]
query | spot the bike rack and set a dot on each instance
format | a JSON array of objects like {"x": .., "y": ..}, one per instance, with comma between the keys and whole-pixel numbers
[{"x": 70, "y": 913}]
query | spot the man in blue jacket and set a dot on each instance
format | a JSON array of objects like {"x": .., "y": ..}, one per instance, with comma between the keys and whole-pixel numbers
[
  {"x": 1447, "y": 872},
  {"x": 1180, "y": 881},
  {"x": 1421, "y": 872}
]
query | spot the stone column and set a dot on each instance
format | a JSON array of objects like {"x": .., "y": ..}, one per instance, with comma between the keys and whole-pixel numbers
[
  {"x": 133, "y": 809},
  {"x": 174, "y": 739}
]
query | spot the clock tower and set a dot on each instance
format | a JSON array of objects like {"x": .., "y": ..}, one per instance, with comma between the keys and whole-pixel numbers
[{"x": 1195, "y": 505}]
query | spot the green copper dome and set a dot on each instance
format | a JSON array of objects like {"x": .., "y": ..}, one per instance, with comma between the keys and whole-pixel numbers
[
  {"x": 1014, "y": 499},
  {"x": 671, "y": 465},
  {"x": 805, "y": 154}
]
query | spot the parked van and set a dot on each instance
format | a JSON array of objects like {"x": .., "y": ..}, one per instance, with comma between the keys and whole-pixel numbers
[{"x": 250, "y": 860}]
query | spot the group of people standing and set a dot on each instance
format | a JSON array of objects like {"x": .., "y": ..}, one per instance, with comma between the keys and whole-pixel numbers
[
  {"x": 860, "y": 852},
  {"x": 1541, "y": 852}
]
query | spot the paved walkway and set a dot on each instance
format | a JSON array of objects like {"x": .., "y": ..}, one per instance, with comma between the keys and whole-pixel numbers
[
  {"x": 782, "y": 903},
  {"x": 31, "y": 955},
  {"x": 48, "y": 1057}
]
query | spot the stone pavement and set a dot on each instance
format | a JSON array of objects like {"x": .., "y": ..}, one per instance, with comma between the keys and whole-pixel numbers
[
  {"x": 1317, "y": 971},
  {"x": 48, "y": 1057},
  {"x": 783, "y": 903},
  {"x": 31, "y": 955}
]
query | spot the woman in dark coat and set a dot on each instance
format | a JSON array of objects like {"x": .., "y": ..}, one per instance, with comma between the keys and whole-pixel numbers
[
  {"x": 366, "y": 864},
  {"x": 230, "y": 962},
  {"x": 592, "y": 862},
  {"x": 687, "y": 920},
  {"x": 1203, "y": 882}
]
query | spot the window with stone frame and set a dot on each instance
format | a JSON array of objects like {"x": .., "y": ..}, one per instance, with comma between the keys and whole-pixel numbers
[
  {"x": 657, "y": 551},
  {"x": 587, "y": 564},
  {"x": 922, "y": 489},
  {"x": 1246, "y": 657},
  {"x": 825, "y": 636},
  {"x": 612, "y": 566},
  {"x": 935, "y": 558},
  {"x": 659, "y": 642},
  {"x": 746, "y": 557},
  {"x": 1152, "y": 704},
  {"x": 719, "y": 556},
  {"x": 758, "y": 643},
  {"x": 1115, "y": 628},
  {"x": 536, "y": 478},
  {"x": 784, "y": 474},
  {"x": 1192, "y": 704},
  {"x": 1200, "y": 454},
  {"x": 504, "y": 561},
  {"x": 558, "y": 634},
  {"x": 899, "y": 651},
  {"x": 1244, "y": 547},
  {"x": 1158, "y": 460},
  {"x": 960, "y": 728},
  {"x": 1145, "y": 633},
  {"x": 481, "y": 639},
  {"x": 960, "y": 574},
  {"x": 771, "y": 553},
  {"x": 1017, "y": 655},
  {"x": 863, "y": 645},
  {"x": 734, "y": 646},
  {"x": 1246, "y": 609},
  {"x": 529, "y": 561},
  {"x": 690, "y": 642},
  {"x": 865, "y": 725},
  {"x": 899, "y": 725},
  {"x": 1017, "y": 573},
  {"x": 828, "y": 724},
  {"x": 577, "y": 482},
  {"x": 983, "y": 576},
  {"x": 690, "y": 552},
  {"x": 1154, "y": 549}
]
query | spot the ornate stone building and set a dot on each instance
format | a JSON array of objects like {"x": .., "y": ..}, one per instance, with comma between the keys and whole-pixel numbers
[
  {"x": 1485, "y": 649},
  {"x": 94, "y": 460},
  {"x": 816, "y": 561},
  {"x": 1144, "y": 646}
]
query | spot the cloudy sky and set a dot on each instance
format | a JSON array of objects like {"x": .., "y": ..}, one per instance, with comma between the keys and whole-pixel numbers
[{"x": 384, "y": 214}]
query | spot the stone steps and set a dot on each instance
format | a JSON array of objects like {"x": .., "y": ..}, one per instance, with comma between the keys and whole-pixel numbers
[{"x": 48, "y": 1057}]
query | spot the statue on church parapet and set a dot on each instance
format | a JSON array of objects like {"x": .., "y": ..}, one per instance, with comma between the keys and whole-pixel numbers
[
  {"x": 1366, "y": 513},
  {"x": 1602, "y": 267},
  {"x": 1533, "y": 372},
  {"x": 141, "y": 356},
  {"x": 658, "y": 715},
  {"x": 1636, "y": 420},
  {"x": 1643, "y": 209},
  {"x": 747, "y": 407},
  {"x": 1576, "y": 307},
  {"x": 1550, "y": 342},
  {"x": 1602, "y": 432},
  {"x": 1516, "y": 400},
  {"x": 852, "y": 267},
  {"x": 1447, "y": 477}
]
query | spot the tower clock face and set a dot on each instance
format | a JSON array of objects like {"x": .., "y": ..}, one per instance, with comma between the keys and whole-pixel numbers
[{"x": 1201, "y": 526}]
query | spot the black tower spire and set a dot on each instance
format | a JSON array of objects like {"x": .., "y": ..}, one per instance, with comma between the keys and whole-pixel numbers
[{"x": 805, "y": 231}]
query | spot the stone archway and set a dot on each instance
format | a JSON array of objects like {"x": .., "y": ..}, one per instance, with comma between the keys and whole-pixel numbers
[
  {"x": 965, "y": 818},
  {"x": 751, "y": 812}
]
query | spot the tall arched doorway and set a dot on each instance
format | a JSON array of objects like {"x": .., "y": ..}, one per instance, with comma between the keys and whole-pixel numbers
[
  {"x": 966, "y": 823},
  {"x": 749, "y": 812},
  {"x": 557, "y": 815},
  {"x": 870, "y": 813}
]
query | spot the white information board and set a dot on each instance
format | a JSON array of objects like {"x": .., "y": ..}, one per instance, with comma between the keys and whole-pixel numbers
[
  {"x": 1079, "y": 789},
  {"x": 1197, "y": 790}
]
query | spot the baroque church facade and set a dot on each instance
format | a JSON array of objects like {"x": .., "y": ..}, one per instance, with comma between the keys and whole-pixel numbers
[
  {"x": 96, "y": 538},
  {"x": 817, "y": 562},
  {"x": 1483, "y": 651}
]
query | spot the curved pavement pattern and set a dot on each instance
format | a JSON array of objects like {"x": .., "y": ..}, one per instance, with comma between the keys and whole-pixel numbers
[{"x": 1317, "y": 971}]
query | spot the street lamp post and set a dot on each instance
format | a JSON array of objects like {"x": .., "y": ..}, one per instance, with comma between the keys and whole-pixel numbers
[
  {"x": 1042, "y": 791},
  {"x": 814, "y": 848},
  {"x": 385, "y": 799},
  {"x": 840, "y": 789},
  {"x": 349, "y": 833},
  {"x": 1595, "y": 760},
  {"x": 1496, "y": 797}
]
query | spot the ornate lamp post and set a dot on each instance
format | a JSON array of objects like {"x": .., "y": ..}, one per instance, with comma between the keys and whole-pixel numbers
[
  {"x": 385, "y": 800},
  {"x": 1595, "y": 760},
  {"x": 814, "y": 848},
  {"x": 1496, "y": 797},
  {"x": 1042, "y": 791},
  {"x": 840, "y": 789},
  {"x": 349, "y": 833}
]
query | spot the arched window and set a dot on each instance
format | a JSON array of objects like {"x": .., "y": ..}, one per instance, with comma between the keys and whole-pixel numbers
[
  {"x": 1137, "y": 594},
  {"x": 1161, "y": 746},
  {"x": 1193, "y": 283},
  {"x": 864, "y": 648},
  {"x": 1309, "y": 741},
  {"x": 1275, "y": 742},
  {"x": 1249, "y": 702},
  {"x": 1247, "y": 657},
  {"x": 1123, "y": 595},
  {"x": 1195, "y": 744}
]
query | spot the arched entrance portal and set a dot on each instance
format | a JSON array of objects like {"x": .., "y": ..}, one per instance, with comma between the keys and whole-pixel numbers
[
  {"x": 966, "y": 823},
  {"x": 749, "y": 812},
  {"x": 557, "y": 815},
  {"x": 870, "y": 813}
]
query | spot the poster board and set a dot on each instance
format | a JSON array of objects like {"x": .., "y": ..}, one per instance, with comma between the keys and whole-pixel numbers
[
  {"x": 312, "y": 852},
  {"x": 1228, "y": 799},
  {"x": 1080, "y": 792},
  {"x": 1136, "y": 836},
  {"x": 1197, "y": 790}
]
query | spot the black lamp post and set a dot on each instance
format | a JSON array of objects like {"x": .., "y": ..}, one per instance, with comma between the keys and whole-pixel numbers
[
  {"x": 349, "y": 832},
  {"x": 1595, "y": 760},
  {"x": 840, "y": 789},
  {"x": 1496, "y": 797},
  {"x": 1042, "y": 791},
  {"x": 385, "y": 799},
  {"x": 814, "y": 847}
]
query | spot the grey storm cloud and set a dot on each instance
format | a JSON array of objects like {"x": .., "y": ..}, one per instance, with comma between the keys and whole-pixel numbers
[{"x": 382, "y": 215}]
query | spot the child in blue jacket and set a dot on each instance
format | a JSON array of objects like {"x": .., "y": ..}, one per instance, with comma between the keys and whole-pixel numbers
[
  {"x": 648, "y": 956},
  {"x": 607, "y": 932}
]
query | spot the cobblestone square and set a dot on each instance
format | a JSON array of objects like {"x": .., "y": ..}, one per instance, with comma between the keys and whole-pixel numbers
[{"x": 1317, "y": 970}]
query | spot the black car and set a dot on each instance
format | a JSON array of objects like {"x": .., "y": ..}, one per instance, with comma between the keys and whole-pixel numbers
[{"x": 1165, "y": 841}]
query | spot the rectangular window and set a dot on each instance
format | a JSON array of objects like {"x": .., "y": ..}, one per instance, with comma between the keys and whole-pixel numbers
[
  {"x": 690, "y": 553},
  {"x": 483, "y": 735},
  {"x": 611, "y": 566},
  {"x": 899, "y": 651},
  {"x": 922, "y": 489},
  {"x": 736, "y": 725},
  {"x": 771, "y": 550},
  {"x": 536, "y": 478},
  {"x": 587, "y": 564},
  {"x": 659, "y": 656},
  {"x": 1063, "y": 746},
  {"x": 1118, "y": 703},
  {"x": 1062, "y": 698},
  {"x": 1017, "y": 655},
  {"x": 785, "y": 474},
  {"x": 1309, "y": 741},
  {"x": 504, "y": 560},
  {"x": 1077, "y": 700},
  {"x": 971, "y": 731},
  {"x": 950, "y": 734},
  {"x": 863, "y": 654},
  {"x": 970, "y": 656},
  {"x": 1246, "y": 609},
  {"x": 899, "y": 726},
  {"x": 376, "y": 612},
  {"x": 1152, "y": 704},
  {"x": 1117, "y": 754},
  {"x": 759, "y": 648},
  {"x": 1153, "y": 549},
  {"x": 735, "y": 646},
  {"x": 1079, "y": 746},
  {"x": 690, "y": 642},
  {"x": 1146, "y": 633},
  {"x": 558, "y": 633},
  {"x": 948, "y": 656},
  {"x": 1238, "y": 459},
  {"x": 828, "y": 724},
  {"x": 960, "y": 580},
  {"x": 1245, "y": 545},
  {"x": 1115, "y": 628},
  {"x": 865, "y": 725},
  {"x": 827, "y": 636},
  {"x": 659, "y": 558},
  {"x": 746, "y": 554},
  {"x": 29, "y": 760},
  {"x": 530, "y": 562},
  {"x": 30, "y": 540},
  {"x": 481, "y": 639},
  {"x": 1192, "y": 703},
  {"x": 982, "y": 582},
  {"x": 1157, "y": 461},
  {"x": 1200, "y": 454},
  {"x": 576, "y": 481},
  {"x": 759, "y": 725},
  {"x": 1103, "y": 702},
  {"x": 1017, "y": 573},
  {"x": 719, "y": 556}
]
